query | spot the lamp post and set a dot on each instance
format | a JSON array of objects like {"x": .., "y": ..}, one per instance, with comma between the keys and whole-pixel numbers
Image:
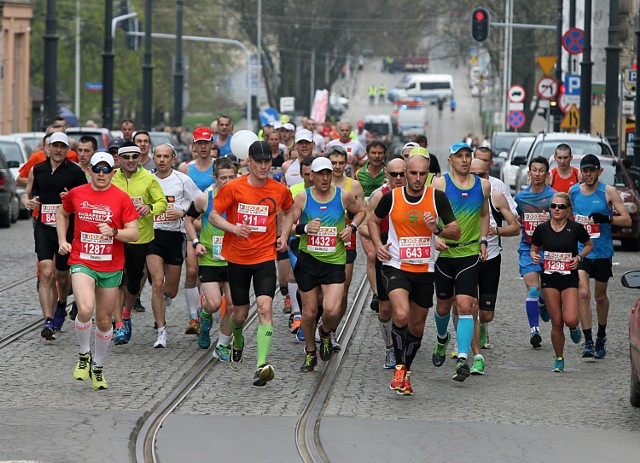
[
  {"x": 50, "y": 64},
  {"x": 178, "y": 75},
  {"x": 585, "y": 77},
  {"x": 612, "y": 101},
  {"x": 147, "y": 70}
]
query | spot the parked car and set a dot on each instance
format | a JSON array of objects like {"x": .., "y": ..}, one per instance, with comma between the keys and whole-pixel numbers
[
  {"x": 615, "y": 174},
  {"x": 33, "y": 140},
  {"x": 9, "y": 201},
  {"x": 501, "y": 143},
  {"x": 16, "y": 153},
  {"x": 632, "y": 280},
  {"x": 508, "y": 171},
  {"x": 101, "y": 135}
]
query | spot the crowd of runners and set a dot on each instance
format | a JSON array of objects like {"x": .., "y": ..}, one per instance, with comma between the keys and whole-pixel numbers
[{"x": 289, "y": 215}]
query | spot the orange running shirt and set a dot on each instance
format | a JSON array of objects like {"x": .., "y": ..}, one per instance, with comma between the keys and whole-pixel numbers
[
  {"x": 258, "y": 207},
  {"x": 564, "y": 184}
]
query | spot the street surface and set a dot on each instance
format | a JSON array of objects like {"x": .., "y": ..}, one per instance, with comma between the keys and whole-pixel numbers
[{"x": 518, "y": 410}]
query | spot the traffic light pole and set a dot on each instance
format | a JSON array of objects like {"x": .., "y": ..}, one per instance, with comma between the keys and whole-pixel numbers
[
  {"x": 556, "y": 116},
  {"x": 585, "y": 77},
  {"x": 612, "y": 100},
  {"x": 50, "y": 65}
]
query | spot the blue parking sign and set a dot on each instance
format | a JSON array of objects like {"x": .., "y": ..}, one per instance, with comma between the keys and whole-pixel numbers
[{"x": 572, "y": 84}]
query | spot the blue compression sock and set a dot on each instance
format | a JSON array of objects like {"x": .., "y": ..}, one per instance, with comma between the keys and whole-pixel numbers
[
  {"x": 464, "y": 334},
  {"x": 533, "y": 307},
  {"x": 442, "y": 323}
]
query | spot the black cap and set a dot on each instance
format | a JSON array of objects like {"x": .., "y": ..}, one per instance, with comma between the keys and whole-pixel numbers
[
  {"x": 115, "y": 143},
  {"x": 590, "y": 160},
  {"x": 260, "y": 151}
]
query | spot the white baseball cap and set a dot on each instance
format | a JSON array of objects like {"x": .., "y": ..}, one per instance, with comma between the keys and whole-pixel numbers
[
  {"x": 304, "y": 134},
  {"x": 59, "y": 137},
  {"x": 101, "y": 156},
  {"x": 320, "y": 164}
]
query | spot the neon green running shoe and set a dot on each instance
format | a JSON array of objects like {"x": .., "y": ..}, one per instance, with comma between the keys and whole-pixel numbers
[
  {"x": 81, "y": 372},
  {"x": 97, "y": 379},
  {"x": 478, "y": 366}
]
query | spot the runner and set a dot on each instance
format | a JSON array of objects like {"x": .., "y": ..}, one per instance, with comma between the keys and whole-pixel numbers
[
  {"x": 320, "y": 269},
  {"x": 142, "y": 139},
  {"x": 87, "y": 146},
  {"x": 395, "y": 173},
  {"x": 408, "y": 259},
  {"x": 291, "y": 169},
  {"x": 533, "y": 209},
  {"x": 406, "y": 150},
  {"x": 457, "y": 269},
  {"x": 356, "y": 154},
  {"x": 559, "y": 238},
  {"x": 112, "y": 148},
  {"x": 563, "y": 177},
  {"x": 47, "y": 184},
  {"x": 251, "y": 204},
  {"x": 127, "y": 127},
  {"x": 212, "y": 266},
  {"x": 148, "y": 198},
  {"x": 105, "y": 218},
  {"x": 593, "y": 205},
  {"x": 167, "y": 250}
]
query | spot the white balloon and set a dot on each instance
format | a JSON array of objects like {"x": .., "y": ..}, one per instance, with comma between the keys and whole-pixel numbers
[{"x": 240, "y": 143}]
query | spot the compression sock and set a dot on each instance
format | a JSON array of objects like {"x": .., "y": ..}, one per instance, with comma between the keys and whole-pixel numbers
[
  {"x": 399, "y": 342},
  {"x": 602, "y": 331},
  {"x": 413, "y": 344},
  {"x": 464, "y": 333},
  {"x": 385, "y": 330},
  {"x": 83, "y": 331},
  {"x": 238, "y": 338},
  {"x": 533, "y": 309},
  {"x": 442, "y": 323},
  {"x": 588, "y": 336},
  {"x": 293, "y": 289},
  {"x": 192, "y": 297},
  {"x": 265, "y": 333},
  {"x": 541, "y": 301},
  {"x": 284, "y": 290},
  {"x": 103, "y": 339}
]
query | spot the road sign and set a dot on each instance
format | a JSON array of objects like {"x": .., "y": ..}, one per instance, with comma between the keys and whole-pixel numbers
[
  {"x": 571, "y": 120},
  {"x": 516, "y": 119},
  {"x": 628, "y": 107},
  {"x": 547, "y": 88},
  {"x": 572, "y": 84},
  {"x": 573, "y": 41},
  {"x": 516, "y": 94},
  {"x": 547, "y": 63},
  {"x": 630, "y": 79},
  {"x": 566, "y": 101},
  {"x": 516, "y": 106},
  {"x": 287, "y": 104}
]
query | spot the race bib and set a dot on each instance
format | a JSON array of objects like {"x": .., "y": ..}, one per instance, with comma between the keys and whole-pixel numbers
[
  {"x": 324, "y": 240},
  {"x": 216, "y": 247},
  {"x": 592, "y": 228},
  {"x": 557, "y": 262},
  {"x": 171, "y": 206},
  {"x": 256, "y": 216},
  {"x": 532, "y": 220},
  {"x": 95, "y": 247},
  {"x": 415, "y": 250},
  {"x": 137, "y": 201},
  {"x": 48, "y": 214}
]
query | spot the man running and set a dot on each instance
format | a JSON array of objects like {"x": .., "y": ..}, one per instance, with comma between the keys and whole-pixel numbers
[
  {"x": 593, "y": 206},
  {"x": 291, "y": 169},
  {"x": 408, "y": 259},
  {"x": 87, "y": 146},
  {"x": 564, "y": 176},
  {"x": 356, "y": 154},
  {"x": 457, "y": 269},
  {"x": 320, "y": 268},
  {"x": 223, "y": 137},
  {"x": 251, "y": 204},
  {"x": 142, "y": 139},
  {"x": 105, "y": 219}
]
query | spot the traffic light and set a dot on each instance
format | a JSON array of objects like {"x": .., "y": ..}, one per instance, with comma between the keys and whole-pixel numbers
[{"x": 480, "y": 24}]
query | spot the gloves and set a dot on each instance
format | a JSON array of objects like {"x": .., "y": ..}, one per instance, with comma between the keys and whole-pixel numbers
[{"x": 601, "y": 218}]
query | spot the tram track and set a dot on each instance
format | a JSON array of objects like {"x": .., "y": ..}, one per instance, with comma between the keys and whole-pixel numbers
[{"x": 19, "y": 282}]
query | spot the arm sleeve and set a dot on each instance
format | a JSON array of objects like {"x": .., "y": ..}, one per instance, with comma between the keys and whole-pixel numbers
[
  {"x": 384, "y": 205},
  {"x": 193, "y": 212},
  {"x": 445, "y": 212}
]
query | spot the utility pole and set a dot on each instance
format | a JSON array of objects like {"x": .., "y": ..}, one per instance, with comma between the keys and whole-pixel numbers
[
  {"x": 557, "y": 118},
  {"x": 50, "y": 65},
  {"x": 107, "y": 68},
  {"x": 636, "y": 138},
  {"x": 612, "y": 101},
  {"x": 147, "y": 70},
  {"x": 585, "y": 77},
  {"x": 178, "y": 75}
]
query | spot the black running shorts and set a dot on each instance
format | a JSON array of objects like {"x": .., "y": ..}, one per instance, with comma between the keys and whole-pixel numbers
[
  {"x": 47, "y": 246},
  {"x": 488, "y": 280},
  {"x": 264, "y": 281},
  {"x": 598, "y": 269},
  {"x": 457, "y": 275},
  {"x": 213, "y": 273},
  {"x": 135, "y": 258},
  {"x": 169, "y": 245},
  {"x": 419, "y": 285},
  {"x": 311, "y": 273}
]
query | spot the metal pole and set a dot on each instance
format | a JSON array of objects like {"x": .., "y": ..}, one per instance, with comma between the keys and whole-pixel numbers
[
  {"x": 585, "y": 78},
  {"x": 612, "y": 101},
  {"x": 77, "y": 76},
  {"x": 636, "y": 137},
  {"x": 312, "y": 80},
  {"x": 556, "y": 119},
  {"x": 259, "y": 40},
  {"x": 50, "y": 64},
  {"x": 147, "y": 70},
  {"x": 178, "y": 75},
  {"x": 107, "y": 68},
  {"x": 505, "y": 73}
]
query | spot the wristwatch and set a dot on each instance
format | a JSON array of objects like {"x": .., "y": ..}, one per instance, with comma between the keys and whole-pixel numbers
[
  {"x": 195, "y": 243},
  {"x": 114, "y": 231},
  {"x": 580, "y": 258},
  {"x": 438, "y": 230},
  {"x": 354, "y": 229}
]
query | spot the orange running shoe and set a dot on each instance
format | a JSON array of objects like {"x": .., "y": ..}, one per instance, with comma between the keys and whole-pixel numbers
[
  {"x": 398, "y": 378},
  {"x": 194, "y": 327},
  {"x": 295, "y": 324},
  {"x": 407, "y": 389}
]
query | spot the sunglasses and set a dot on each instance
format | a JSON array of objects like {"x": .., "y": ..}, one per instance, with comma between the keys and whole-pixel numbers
[
  {"x": 396, "y": 174},
  {"x": 103, "y": 169},
  {"x": 558, "y": 206},
  {"x": 126, "y": 157}
]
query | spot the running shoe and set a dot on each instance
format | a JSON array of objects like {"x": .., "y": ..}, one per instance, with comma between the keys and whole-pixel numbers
[
  {"x": 588, "y": 350},
  {"x": 120, "y": 336},
  {"x": 74, "y": 311},
  {"x": 97, "y": 379},
  {"x": 440, "y": 351},
  {"x": 389, "y": 359},
  {"x": 222, "y": 352},
  {"x": 300, "y": 335},
  {"x": 558, "y": 365},
  {"x": 128, "y": 328},
  {"x": 334, "y": 342},
  {"x": 326, "y": 348},
  {"x": 295, "y": 324},
  {"x": 397, "y": 383},
  {"x": 137, "y": 306},
  {"x": 48, "y": 331},
  {"x": 462, "y": 370},
  {"x": 576, "y": 335},
  {"x": 162, "y": 339},
  {"x": 483, "y": 335},
  {"x": 193, "y": 327},
  {"x": 544, "y": 313},
  {"x": 478, "y": 366},
  {"x": 59, "y": 316},
  {"x": 263, "y": 375},
  {"x": 167, "y": 300},
  {"x": 536, "y": 339},
  {"x": 600, "y": 350},
  {"x": 83, "y": 367},
  {"x": 287, "y": 304},
  {"x": 406, "y": 387},
  {"x": 310, "y": 362},
  {"x": 375, "y": 303},
  {"x": 204, "y": 336}
]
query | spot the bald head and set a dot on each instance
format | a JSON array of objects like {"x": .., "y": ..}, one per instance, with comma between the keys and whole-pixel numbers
[
  {"x": 417, "y": 162},
  {"x": 396, "y": 165},
  {"x": 479, "y": 167}
]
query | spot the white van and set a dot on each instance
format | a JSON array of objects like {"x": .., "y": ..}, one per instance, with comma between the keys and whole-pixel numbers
[{"x": 429, "y": 87}]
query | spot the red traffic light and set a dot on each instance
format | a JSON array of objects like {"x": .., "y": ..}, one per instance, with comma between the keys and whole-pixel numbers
[
  {"x": 480, "y": 24},
  {"x": 479, "y": 16}
]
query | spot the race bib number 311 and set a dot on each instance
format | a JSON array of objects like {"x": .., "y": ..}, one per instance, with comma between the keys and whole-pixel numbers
[
  {"x": 254, "y": 215},
  {"x": 415, "y": 250}
]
